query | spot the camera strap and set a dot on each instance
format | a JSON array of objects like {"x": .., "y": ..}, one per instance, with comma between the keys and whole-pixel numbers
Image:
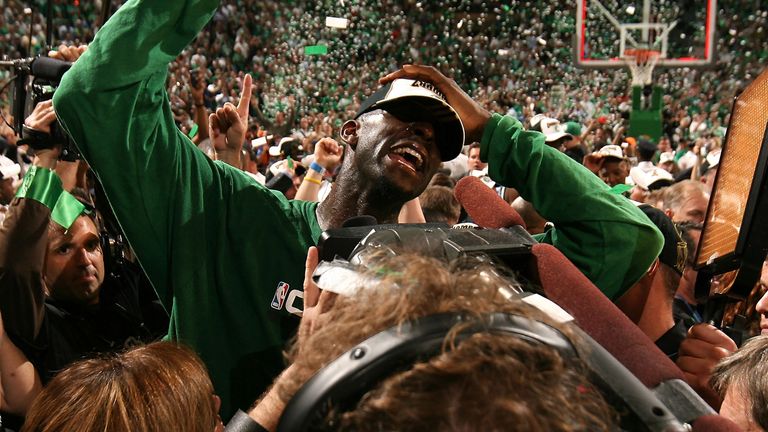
[{"x": 36, "y": 139}]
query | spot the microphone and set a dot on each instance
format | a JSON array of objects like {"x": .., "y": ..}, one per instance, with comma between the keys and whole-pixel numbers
[
  {"x": 600, "y": 318},
  {"x": 484, "y": 206},
  {"x": 49, "y": 69}
]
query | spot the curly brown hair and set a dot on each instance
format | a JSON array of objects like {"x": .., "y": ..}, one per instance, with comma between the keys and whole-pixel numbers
[{"x": 487, "y": 382}]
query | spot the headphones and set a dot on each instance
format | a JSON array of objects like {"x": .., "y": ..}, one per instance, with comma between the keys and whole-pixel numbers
[{"x": 346, "y": 379}]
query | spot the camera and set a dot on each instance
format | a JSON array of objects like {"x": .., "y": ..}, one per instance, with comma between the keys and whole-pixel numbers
[{"x": 35, "y": 80}]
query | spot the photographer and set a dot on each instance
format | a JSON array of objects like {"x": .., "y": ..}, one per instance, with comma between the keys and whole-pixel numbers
[{"x": 58, "y": 302}]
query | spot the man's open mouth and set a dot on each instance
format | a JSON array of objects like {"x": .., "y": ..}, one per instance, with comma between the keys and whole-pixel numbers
[{"x": 409, "y": 155}]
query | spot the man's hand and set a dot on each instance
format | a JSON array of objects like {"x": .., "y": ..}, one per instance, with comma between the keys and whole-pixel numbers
[
  {"x": 68, "y": 53},
  {"x": 328, "y": 153},
  {"x": 41, "y": 119},
  {"x": 473, "y": 116},
  {"x": 316, "y": 302},
  {"x": 228, "y": 125},
  {"x": 593, "y": 162},
  {"x": 704, "y": 346}
]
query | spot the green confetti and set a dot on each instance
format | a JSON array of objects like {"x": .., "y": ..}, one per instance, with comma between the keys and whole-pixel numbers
[{"x": 315, "y": 50}]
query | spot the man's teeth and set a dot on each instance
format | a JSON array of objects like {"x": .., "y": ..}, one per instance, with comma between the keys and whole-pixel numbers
[{"x": 409, "y": 151}]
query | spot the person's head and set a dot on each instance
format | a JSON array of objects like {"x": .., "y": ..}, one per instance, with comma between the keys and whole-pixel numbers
[
  {"x": 664, "y": 144},
  {"x": 667, "y": 162},
  {"x": 555, "y": 134},
  {"x": 157, "y": 387},
  {"x": 653, "y": 181},
  {"x": 473, "y": 158},
  {"x": 487, "y": 381},
  {"x": 686, "y": 201},
  {"x": 612, "y": 165},
  {"x": 74, "y": 262},
  {"x": 613, "y": 171},
  {"x": 741, "y": 379},
  {"x": 646, "y": 149},
  {"x": 442, "y": 179},
  {"x": 440, "y": 205},
  {"x": 399, "y": 138}
]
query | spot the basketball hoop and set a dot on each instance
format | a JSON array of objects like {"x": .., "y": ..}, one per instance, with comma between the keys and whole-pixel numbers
[{"x": 641, "y": 63}]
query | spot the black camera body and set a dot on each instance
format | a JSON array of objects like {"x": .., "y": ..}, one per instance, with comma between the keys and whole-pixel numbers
[{"x": 36, "y": 81}]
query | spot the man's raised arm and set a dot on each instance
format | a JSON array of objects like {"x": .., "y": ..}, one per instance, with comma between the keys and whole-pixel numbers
[
  {"x": 603, "y": 234},
  {"x": 114, "y": 105}
]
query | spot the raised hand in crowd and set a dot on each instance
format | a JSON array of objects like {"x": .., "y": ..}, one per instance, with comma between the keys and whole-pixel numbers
[
  {"x": 228, "y": 125},
  {"x": 328, "y": 153},
  {"x": 704, "y": 346},
  {"x": 197, "y": 90},
  {"x": 328, "y": 156},
  {"x": 473, "y": 116}
]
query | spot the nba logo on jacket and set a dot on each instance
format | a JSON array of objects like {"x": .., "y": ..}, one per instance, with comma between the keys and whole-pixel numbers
[{"x": 280, "y": 294}]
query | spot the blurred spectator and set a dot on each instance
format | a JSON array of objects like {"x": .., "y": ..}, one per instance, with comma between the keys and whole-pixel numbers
[
  {"x": 686, "y": 201},
  {"x": 9, "y": 176},
  {"x": 740, "y": 380},
  {"x": 473, "y": 158},
  {"x": 440, "y": 205},
  {"x": 610, "y": 164},
  {"x": 647, "y": 182}
]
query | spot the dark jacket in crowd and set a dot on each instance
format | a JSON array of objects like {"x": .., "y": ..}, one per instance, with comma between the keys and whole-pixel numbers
[{"x": 53, "y": 334}]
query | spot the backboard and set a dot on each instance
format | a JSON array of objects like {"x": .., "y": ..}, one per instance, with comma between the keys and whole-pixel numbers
[{"x": 683, "y": 31}]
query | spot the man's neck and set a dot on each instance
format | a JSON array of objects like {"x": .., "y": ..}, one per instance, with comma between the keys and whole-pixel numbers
[
  {"x": 657, "y": 316},
  {"x": 350, "y": 198}
]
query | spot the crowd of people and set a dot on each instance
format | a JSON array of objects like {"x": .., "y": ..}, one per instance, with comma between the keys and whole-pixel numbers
[{"x": 194, "y": 216}]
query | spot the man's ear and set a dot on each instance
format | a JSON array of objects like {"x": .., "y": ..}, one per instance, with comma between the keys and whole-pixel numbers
[
  {"x": 348, "y": 133},
  {"x": 670, "y": 213}
]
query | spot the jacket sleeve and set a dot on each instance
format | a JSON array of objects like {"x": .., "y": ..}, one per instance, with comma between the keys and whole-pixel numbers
[
  {"x": 23, "y": 240},
  {"x": 603, "y": 234},
  {"x": 166, "y": 194}
]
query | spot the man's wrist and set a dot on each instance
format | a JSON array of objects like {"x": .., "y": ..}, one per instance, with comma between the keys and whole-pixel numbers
[
  {"x": 314, "y": 166},
  {"x": 46, "y": 160}
]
